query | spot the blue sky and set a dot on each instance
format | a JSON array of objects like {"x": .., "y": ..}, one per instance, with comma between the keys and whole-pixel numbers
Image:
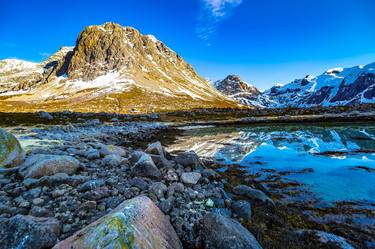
[{"x": 264, "y": 41}]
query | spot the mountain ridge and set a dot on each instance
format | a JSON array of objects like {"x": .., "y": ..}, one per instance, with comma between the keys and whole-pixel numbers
[{"x": 111, "y": 68}]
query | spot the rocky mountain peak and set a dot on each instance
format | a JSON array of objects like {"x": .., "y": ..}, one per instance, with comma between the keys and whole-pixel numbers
[{"x": 233, "y": 84}]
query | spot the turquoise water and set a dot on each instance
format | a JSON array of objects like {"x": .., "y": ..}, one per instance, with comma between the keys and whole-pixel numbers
[{"x": 341, "y": 158}]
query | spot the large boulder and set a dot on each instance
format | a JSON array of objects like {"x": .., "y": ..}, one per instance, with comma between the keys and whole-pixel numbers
[
  {"x": 219, "y": 232},
  {"x": 135, "y": 223},
  {"x": 251, "y": 193},
  {"x": 11, "y": 152},
  {"x": 146, "y": 167},
  {"x": 39, "y": 165},
  {"x": 28, "y": 232}
]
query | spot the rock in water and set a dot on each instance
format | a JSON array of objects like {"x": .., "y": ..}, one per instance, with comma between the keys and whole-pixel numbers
[
  {"x": 251, "y": 193},
  {"x": 28, "y": 232},
  {"x": 39, "y": 165},
  {"x": 135, "y": 223},
  {"x": 219, "y": 232},
  {"x": 11, "y": 152}
]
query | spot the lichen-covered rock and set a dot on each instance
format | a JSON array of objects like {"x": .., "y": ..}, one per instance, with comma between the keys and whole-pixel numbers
[
  {"x": 135, "y": 223},
  {"x": 39, "y": 165},
  {"x": 219, "y": 232},
  {"x": 11, "y": 152},
  {"x": 28, "y": 232}
]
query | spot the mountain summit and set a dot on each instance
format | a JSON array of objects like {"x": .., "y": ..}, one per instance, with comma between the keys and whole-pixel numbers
[{"x": 111, "y": 68}]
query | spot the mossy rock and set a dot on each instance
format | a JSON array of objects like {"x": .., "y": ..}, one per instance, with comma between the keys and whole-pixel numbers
[
  {"x": 135, "y": 223},
  {"x": 11, "y": 152}
]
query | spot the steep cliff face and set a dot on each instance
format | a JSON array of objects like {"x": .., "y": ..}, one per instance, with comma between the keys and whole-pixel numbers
[{"x": 111, "y": 68}]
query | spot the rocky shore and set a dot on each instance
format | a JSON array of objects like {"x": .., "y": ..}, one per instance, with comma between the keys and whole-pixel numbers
[{"x": 93, "y": 185}]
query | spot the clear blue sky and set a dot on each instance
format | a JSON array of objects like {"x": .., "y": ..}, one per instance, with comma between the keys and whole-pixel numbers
[{"x": 264, "y": 41}]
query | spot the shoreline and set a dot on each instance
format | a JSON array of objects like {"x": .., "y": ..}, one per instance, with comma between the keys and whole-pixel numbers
[{"x": 113, "y": 182}]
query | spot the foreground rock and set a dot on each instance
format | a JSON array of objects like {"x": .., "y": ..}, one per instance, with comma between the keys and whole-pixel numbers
[
  {"x": 28, "y": 232},
  {"x": 11, "y": 152},
  {"x": 135, "y": 223},
  {"x": 39, "y": 165},
  {"x": 219, "y": 232}
]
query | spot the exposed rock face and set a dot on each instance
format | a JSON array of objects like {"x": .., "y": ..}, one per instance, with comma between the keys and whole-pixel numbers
[
  {"x": 111, "y": 68},
  {"x": 239, "y": 90},
  {"x": 29, "y": 232},
  {"x": 39, "y": 165},
  {"x": 135, "y": 223},
  {"x": 219, "y": 232},
  {"x": 11, "y": 152}
]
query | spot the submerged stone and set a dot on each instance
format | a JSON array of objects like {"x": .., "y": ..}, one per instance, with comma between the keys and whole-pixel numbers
[{"x": 135, "y": 223}]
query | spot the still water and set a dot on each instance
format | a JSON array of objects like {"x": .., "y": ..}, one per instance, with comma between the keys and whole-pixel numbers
[{"x": 340, "y": 159}]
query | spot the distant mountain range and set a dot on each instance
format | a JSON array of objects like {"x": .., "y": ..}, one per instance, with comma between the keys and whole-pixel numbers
[
  {"x": 117, "y": 69},
  {"x": 335, "y": 87},
  {"x": 112, "y": 69}
]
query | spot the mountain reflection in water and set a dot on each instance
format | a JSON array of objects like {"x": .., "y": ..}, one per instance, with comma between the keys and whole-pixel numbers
[{"x": 342, "y": 157}]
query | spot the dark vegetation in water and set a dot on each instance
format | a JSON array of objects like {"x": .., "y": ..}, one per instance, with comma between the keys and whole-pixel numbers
[{"x": 277, "y": 226}]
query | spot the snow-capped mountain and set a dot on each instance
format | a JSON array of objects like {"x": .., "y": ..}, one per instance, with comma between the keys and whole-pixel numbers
[
  {"x": 335, "y": 87},
  {"x": 235, "y": 88},
  {"x": 111, "y": 68}
]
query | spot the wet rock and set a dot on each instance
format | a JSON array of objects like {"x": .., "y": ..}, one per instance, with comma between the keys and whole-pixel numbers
[
  {"x": 39, "y": 165},
  {"x": 191, "y": 178},
  {"x": 146, "y": 167},
  {"x": 135, "y": 223},
  {"x": 29, "y": 232},
  {"x": 11, "y": 152},
  {"x": 219, "y": 232},
  {"x": 325, "y": 238},
  {"x": 210, "y": 174},
  {"x": 242, "y": 209},
  {"x": 251, "y": 193},
  {"x": 188, "y": 159}
]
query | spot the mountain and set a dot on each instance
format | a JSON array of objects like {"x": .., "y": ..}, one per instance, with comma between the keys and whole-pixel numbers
[
  {"x": 235, "y": 88},
  {"x": 111, "y": 68},
  {"x": 335, "y": 87}
]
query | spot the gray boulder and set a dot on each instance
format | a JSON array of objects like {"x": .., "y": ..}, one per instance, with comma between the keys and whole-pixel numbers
[
  {"x": 191, "y": 177},
  {"x": 11, "y": 152},
  {"x": 146, "y": 167},
  {"x": 39, "y": 165},
  {"x": 28, "y": 232},
  {"x": 188, "y": 159},
  {"x": 219, "y": 232},
  {"x": 251, "y": 193}
]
